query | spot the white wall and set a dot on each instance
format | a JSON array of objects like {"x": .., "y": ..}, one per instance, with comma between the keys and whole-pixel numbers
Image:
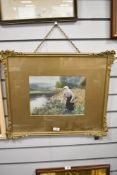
[{"x": 91, "y": 33}]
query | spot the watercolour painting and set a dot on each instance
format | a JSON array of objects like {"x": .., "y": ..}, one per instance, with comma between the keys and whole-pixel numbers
[{"x": 57, "y": 95}]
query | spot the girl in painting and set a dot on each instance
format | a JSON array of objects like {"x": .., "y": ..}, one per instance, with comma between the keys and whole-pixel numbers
[{"x": 68, "y": 94}]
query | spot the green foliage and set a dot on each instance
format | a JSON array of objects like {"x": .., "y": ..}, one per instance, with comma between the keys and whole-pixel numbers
[
  {"x": 53, "y": 107},
  {"x": 59, "y": 84},
  {"x": 73, "y": 81}
]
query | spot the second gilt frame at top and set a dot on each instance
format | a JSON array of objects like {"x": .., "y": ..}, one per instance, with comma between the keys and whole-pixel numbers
[{"x": 57, "y": 94}]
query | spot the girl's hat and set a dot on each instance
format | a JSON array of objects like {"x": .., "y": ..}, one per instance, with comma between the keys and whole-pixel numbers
[{"x": 66, "y": 87}]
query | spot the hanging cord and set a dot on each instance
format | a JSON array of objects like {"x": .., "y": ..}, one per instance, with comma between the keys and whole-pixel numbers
[{"x": 50, "y": 31}]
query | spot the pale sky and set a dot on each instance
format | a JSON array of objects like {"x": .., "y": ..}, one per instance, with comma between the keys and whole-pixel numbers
[{"x": 44, "y": 79}]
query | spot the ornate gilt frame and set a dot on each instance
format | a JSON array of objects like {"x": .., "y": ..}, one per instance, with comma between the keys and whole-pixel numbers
[{"x": 90, "y": 64}]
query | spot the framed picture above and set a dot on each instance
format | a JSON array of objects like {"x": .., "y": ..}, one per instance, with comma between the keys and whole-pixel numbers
[
  {"x": 79, "y": 170},
  {"x": 2, "y": 119},
  {"x": 114, "y": 19},
  {"x": 57, "y": 94},
  {"x": 32, "y": 11}
]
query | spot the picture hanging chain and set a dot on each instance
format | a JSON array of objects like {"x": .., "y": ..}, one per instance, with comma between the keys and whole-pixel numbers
[{"x": 50, "y": 31}]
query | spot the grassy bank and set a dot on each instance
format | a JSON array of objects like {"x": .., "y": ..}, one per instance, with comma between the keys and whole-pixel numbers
[{"x": 56, "y": 104}]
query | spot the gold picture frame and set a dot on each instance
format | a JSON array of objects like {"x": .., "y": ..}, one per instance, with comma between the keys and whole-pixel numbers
[
  {"x": 2, "y": 119},
  {"x": 77, "y": 170},
  {"x": 33, "y": 11},
  {"x": 37, "y": 83},
  {"x": 114, "y": 19}
]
